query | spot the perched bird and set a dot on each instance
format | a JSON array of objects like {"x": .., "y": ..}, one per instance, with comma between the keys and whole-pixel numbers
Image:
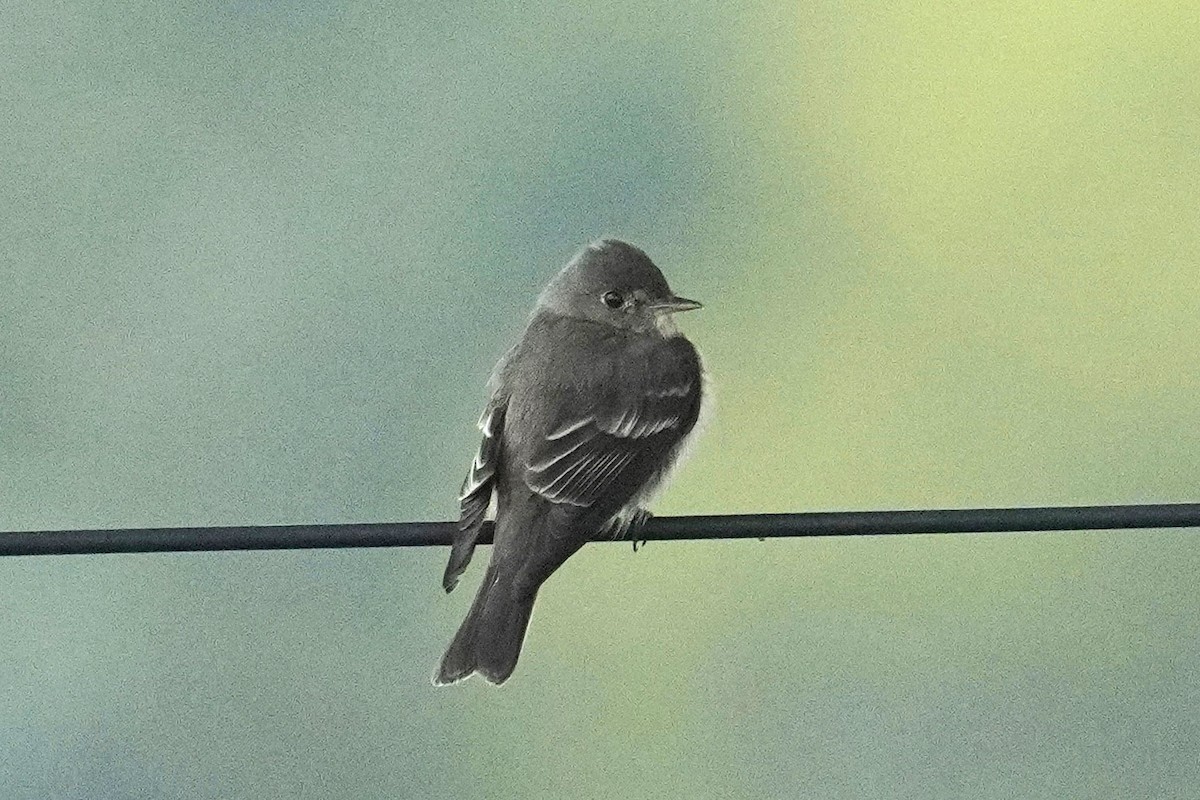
[{"x": 586, "y": 415}]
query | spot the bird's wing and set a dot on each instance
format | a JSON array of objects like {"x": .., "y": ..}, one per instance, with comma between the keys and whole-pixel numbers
[
  {"x": 476, "y": 494},
  {"x": 621, "y": 434}
]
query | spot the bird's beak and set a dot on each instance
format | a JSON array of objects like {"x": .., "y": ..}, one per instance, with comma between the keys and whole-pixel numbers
[{"x": 675, "y": 305}]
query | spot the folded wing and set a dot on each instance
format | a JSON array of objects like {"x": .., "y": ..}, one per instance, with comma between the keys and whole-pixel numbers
[
  {"x": 476, "y": 494},
  {"x": 629, "y": 431}
]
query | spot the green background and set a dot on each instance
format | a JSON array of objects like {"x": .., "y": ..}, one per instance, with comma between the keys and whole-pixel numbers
[{"x": 257, "y": 260}]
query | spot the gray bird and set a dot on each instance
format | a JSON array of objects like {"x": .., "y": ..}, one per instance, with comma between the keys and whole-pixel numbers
[{"x": 586, "y": 415}]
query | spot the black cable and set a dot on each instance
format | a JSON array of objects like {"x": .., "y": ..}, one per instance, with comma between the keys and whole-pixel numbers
[{"x": 733, "y": 526}]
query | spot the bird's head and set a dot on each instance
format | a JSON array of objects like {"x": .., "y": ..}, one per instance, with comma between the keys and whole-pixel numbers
[{"x": 614, "y": 283}]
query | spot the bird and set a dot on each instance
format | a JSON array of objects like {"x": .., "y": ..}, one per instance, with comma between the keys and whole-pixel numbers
[{"x": 587, "y": 414}]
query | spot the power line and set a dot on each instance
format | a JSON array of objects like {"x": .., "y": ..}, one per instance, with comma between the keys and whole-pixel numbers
[{"x": 731, "y": 526}]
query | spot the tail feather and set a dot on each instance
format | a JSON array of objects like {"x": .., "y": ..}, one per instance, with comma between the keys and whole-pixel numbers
[{"x": 490, "y": 638}]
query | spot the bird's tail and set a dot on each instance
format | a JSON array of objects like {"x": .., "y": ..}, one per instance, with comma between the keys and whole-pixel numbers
[{"x": 490, "y": 638}]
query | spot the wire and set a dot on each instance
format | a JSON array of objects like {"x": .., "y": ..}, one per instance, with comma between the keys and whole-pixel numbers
[{"x": 733, "y": 526}]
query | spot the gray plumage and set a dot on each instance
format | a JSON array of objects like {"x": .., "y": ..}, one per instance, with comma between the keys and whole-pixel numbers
[{"x": 586, "y": 414}]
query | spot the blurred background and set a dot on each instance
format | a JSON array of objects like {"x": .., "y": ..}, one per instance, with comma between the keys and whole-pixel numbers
[{"x": 259, "y": 257}]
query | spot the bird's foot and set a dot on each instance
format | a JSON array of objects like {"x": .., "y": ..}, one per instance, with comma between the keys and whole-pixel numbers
[{"x": 640, "y": 518}]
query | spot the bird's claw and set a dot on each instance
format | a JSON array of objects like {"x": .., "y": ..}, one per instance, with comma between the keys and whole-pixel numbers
[{"x": 640, "y": 518}]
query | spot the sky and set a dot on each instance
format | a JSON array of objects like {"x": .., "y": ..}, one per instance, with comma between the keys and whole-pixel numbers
[{"x": 261, "y": 256}]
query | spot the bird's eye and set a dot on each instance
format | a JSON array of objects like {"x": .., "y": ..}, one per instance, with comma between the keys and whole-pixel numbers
[{"x": 613, "y": 299}]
